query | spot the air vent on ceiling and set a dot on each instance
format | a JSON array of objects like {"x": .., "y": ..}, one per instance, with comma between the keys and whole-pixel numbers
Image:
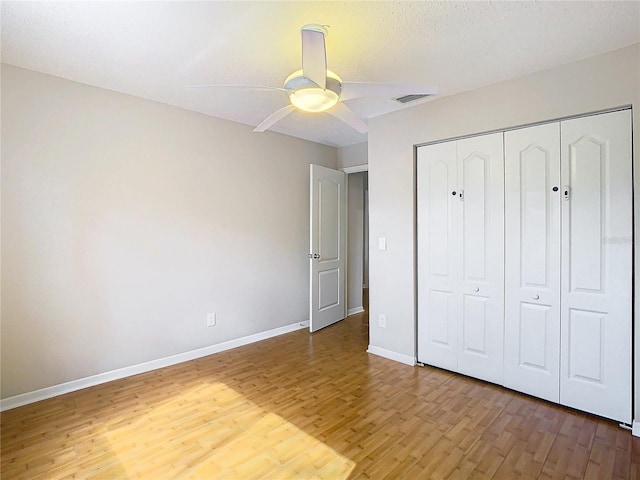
[{"x": 412, "y": 97}]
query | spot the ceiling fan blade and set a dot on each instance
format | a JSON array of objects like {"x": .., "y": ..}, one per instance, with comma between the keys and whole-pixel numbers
[
  {"x": 246, "y": 87},
  {"x": 274, "y": 117},
  {"x": 344, "y": 113},
  {"x": 314, "y": 54},
  {"x": 352, "y": 90}
]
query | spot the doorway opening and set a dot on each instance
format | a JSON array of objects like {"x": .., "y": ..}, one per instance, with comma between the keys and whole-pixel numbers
[{"x": 358, "y": 245}]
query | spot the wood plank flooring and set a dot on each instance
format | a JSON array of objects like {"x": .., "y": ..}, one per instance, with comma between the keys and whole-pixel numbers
[{"x": 308, "y": 406}]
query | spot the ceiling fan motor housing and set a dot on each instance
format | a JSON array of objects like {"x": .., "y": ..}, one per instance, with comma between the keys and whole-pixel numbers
[{"x": 297, "y": 81}]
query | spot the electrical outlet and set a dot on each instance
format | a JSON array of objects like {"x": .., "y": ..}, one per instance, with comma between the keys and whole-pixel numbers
[
  {"x": 382, "y": 321},
  {"x": 211, "y": 319}
]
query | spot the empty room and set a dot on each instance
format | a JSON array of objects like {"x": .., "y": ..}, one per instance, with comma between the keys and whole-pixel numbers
[{"x": 280, "y": 240}]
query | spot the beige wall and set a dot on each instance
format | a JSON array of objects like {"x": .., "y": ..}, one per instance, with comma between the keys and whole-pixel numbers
[
  {"x": 125, "y": 221},
  {"x": 353, "y": 155},
  {"x": 593, "y": 84}
]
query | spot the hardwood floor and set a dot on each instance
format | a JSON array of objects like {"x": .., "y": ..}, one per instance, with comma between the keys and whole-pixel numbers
[{"x": 308, "y": 406}]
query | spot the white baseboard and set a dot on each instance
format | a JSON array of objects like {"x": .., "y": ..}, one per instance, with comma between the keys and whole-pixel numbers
[
  {"x": 68, "y": 387},
  {"x": 398, "y": 357},
  {"x": 353, "y": 311},
  {"x": 635, "y": 431}
]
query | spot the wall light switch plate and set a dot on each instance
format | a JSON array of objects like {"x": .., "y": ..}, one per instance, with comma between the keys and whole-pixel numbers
[
  {"x": 382, "y": 243},
  {"x": 211, "y": 319},
  {"x": 382, "y": 321}
]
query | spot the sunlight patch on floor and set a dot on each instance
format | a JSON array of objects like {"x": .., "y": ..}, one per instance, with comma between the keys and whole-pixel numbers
[{"x": 211, "y": 432}]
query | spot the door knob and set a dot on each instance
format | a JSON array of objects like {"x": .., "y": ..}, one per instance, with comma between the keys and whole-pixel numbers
[
  {"x": 476, "y": 289},
  {"x": 536, "y": 296},
  {"x": 314, "y": 255}
]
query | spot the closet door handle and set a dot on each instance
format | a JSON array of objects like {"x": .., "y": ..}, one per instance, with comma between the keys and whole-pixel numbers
[
  {"x": 476, "y": 289},
  {"x": 536, "y": 297}
]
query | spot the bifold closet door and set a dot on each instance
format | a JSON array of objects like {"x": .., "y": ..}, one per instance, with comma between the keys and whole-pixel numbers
[
  {"x": 481, "y": 235},
  {"x": 438, "y": 246},
  {"x": 597, "y": 264},
  {"x": 460, "y": 214},
  {"x": 532, "y": 261},
  {"x": 555, "y": 320}
]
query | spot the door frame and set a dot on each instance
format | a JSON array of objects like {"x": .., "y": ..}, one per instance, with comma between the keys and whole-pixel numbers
[
  {"x": 356, "y": 169},
  {"x": 347, "y": 171}
]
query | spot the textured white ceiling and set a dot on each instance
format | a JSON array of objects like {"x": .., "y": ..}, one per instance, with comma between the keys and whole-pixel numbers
[{"x": 154, "y": 49}]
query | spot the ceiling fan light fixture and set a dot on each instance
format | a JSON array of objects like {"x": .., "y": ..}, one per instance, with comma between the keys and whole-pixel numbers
[
  {"x": 314, "y": 99},
  {"x": 307, "y": 96}
]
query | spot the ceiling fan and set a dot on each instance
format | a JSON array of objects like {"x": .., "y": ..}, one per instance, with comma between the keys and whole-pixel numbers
[{"x": 315, "y": 88}]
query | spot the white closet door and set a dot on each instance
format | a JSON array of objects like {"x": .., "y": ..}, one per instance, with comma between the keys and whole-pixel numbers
[
  {"x": 438, "y": 279},
  {"x": 596, "y": 265},
  {"x": 481, "y": 319},
  {"x": 532, "y": 261}
]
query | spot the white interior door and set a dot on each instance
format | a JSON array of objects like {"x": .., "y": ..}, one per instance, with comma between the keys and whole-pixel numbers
[
  {"x": 597, "y": 264},
  {"x": 532, "y": 261},
  {"x": 328, "y": 239},
  {"x": 438, "y": 255},
  {"x": 481, "y": 236}
]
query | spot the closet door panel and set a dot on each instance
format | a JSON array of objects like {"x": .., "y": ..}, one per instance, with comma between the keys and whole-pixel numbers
[
  {"x": 474, "y": 327},
  {"x": 438, "y": 245},
  {"x": 532, "y": 261},
  {"x": 481, "y": 179},
  {"x": 597, "y": 265}
]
